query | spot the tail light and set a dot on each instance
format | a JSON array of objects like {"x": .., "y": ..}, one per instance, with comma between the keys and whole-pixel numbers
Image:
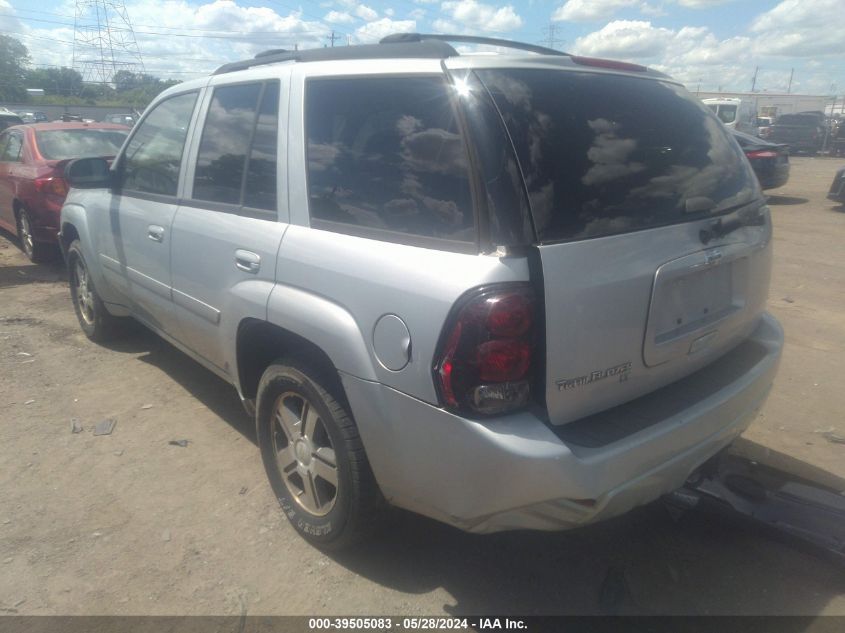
[
  {"x": 52, "y": 185},
  {"x": 761, "y": 153},
  {"x": 485, "y": 358}
]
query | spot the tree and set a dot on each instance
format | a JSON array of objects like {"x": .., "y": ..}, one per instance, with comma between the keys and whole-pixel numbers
[
  {"x": 63, "y": 81},
  {"x": 14, "y": 60}
]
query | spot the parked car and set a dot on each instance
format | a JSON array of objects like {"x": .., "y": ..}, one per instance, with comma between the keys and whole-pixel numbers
[
  {"x": 736, "y": 114},
  {"x": 32, "y": 184},
  {"x": 8, "y": 119},
  {"x": 837, "y": 187},
  {"x": 30, "y": 116},
  {"x": 769, "y": 160},
  {"x": 122, "y": 119},
  {"x": 439, "y": 281},
  {"x": 802, "y": 132},
  {"x": 764, "y": 125}
]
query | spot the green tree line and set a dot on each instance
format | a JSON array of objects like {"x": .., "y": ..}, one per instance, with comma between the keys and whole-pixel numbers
[{"x": 65, "y": 85}]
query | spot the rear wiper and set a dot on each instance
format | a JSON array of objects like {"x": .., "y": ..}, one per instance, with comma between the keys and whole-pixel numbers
[{"x": 720, "y": 228}]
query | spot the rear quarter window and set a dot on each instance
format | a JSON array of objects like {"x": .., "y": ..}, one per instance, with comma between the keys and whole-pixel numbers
[
  {"x": 386, "y": 159},
  {"x": 603, "y": 154}
]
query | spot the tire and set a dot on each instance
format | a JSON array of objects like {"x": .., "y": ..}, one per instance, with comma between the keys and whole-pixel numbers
[
  {"x": 302, "y": 428},
  {"x": 94, "y": 319},
  {"x": 37, "y": 252}
]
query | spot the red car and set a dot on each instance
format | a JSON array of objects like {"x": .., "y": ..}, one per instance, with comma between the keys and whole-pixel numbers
[{"x": 32, "y": 185}]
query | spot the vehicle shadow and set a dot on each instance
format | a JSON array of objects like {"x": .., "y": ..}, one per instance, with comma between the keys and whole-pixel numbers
[
  {"x": 648, "y": 562},
  {"x": 215, "y": 393},
  {"x": 785, "y": 200}
]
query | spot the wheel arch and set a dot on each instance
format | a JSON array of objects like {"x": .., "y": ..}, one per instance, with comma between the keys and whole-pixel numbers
[{"x": 260, "y": 343}]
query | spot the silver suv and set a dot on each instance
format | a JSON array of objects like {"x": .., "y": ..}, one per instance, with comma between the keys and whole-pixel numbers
[{"x": 504, "y": 291}]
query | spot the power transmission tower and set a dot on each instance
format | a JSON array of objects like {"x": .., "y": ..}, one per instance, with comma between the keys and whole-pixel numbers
[
  {"x": 333, "y": 38},
  {"x": 104, "y": 41},
  {"x": 551, "y": 40}
]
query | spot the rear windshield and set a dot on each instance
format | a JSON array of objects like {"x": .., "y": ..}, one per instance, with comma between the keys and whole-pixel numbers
[
  {"x": 60, "y": 144},
  {"x": 606, "y": 154}
]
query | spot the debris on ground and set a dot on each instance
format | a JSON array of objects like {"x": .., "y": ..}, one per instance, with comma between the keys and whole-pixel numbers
[
  {"x": 119, "y": 453},
  {"x": 832, "y": 437},
  {"x": 24, "y": 354},
  {"x": 147, "y": 406},
  {"x": 182, "y": 443},
  {"x": 789, "y": 299},
  {"x": 29, "y": 401},
  {"x": 243, "y": 491},
  {"x": 105, "y": 427},
  {"x": 165, "y": 536},
  {"x": 76, "y": 426}
]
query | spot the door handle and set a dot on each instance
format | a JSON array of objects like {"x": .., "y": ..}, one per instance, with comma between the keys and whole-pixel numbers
[
  {"x": 155, "y": 233},
  {"x": 247, "y": 261}
]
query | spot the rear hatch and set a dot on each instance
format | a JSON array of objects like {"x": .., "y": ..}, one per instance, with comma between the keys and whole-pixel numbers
[{"x": 652, "y": 233}]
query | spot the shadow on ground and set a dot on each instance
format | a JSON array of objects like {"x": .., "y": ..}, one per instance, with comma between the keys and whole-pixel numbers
[
  {"x": 785, "y": 200},
  {"x": 646, "y": 562}
]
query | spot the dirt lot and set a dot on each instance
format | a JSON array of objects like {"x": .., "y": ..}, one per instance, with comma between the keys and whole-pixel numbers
[{"x": 128, "y": 524}]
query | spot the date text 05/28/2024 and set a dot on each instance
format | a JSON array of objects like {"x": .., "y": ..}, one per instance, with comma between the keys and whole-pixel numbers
[{"x": 416, "y": 624}]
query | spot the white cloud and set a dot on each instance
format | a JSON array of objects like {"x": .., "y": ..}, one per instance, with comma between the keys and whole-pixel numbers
[
  {"x": 594, "y": 10},
  {"x": 802, "y": 28},
  {"x": 590, "y": 10},
  {"x": 701, "y": 4},
  {"x": 625, "y": 38},
  {"x": 366, "y": 13},
  {"x": 338, "y": 17},
  {"x": 374, "y": 31},
  {"x": 476, "y": 16}
]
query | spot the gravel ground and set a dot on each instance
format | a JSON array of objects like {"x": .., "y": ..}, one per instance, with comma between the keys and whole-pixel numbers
[{"x": 128, "y": 524}]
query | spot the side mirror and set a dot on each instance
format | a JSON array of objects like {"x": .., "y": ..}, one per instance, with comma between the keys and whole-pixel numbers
[{"x": 88, "y": 173}]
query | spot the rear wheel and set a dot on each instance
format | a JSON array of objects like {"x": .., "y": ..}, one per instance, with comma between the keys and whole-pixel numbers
[
  {"x": 36, "y": 251},
  {"x": 314, "y": 457},
  {"x": 94, "y": 319}
]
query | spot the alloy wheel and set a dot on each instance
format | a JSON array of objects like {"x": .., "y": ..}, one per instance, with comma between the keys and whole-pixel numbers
[{"x": 305, "y": 456}]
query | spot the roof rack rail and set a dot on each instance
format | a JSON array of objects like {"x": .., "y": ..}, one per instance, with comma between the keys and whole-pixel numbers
[
  {"x": 428, "y": 49},
  {"x": 403, "y": 38},
  {"x": 398, "y": 45}
]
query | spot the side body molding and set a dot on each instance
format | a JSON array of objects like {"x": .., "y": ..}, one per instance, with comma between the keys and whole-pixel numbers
[{"x": 324, "y": 323}]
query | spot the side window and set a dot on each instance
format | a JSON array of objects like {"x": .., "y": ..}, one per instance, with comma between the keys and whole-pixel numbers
[
  {"x": 152, "y": 159},
  {"x": 386, "y": 154},
  {"x": 4, "y": 138},
  {"x": 12, "y": 149},
  {"x": 236, "y": 162}
]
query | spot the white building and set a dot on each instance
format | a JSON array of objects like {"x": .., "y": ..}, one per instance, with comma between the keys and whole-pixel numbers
[{"x": 775, "y": 104}]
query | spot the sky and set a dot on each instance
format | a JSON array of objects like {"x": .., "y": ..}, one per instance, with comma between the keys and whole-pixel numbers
[{"x": 706, "y": 44}]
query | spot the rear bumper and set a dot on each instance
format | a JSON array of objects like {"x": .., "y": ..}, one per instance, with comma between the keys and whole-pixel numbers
[
  {"x": 772, "y": 176},
  {"x": 516, "y": 472}
]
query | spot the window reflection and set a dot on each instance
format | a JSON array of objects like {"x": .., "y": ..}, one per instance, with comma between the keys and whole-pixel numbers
[
  {"x": 385, "y": 153},
  {"x": 604, "y": 154}
]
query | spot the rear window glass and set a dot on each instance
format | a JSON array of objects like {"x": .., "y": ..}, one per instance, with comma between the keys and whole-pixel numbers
[
  {"x": 61, "y": 144},
  {"x": 386, "y": 154},
  {"x": 606, "y": 154}
]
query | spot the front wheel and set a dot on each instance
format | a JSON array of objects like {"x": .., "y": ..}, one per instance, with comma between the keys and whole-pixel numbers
[
  {"x": 314, "y": 457},
  {"x": 94, "y": 319}
]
